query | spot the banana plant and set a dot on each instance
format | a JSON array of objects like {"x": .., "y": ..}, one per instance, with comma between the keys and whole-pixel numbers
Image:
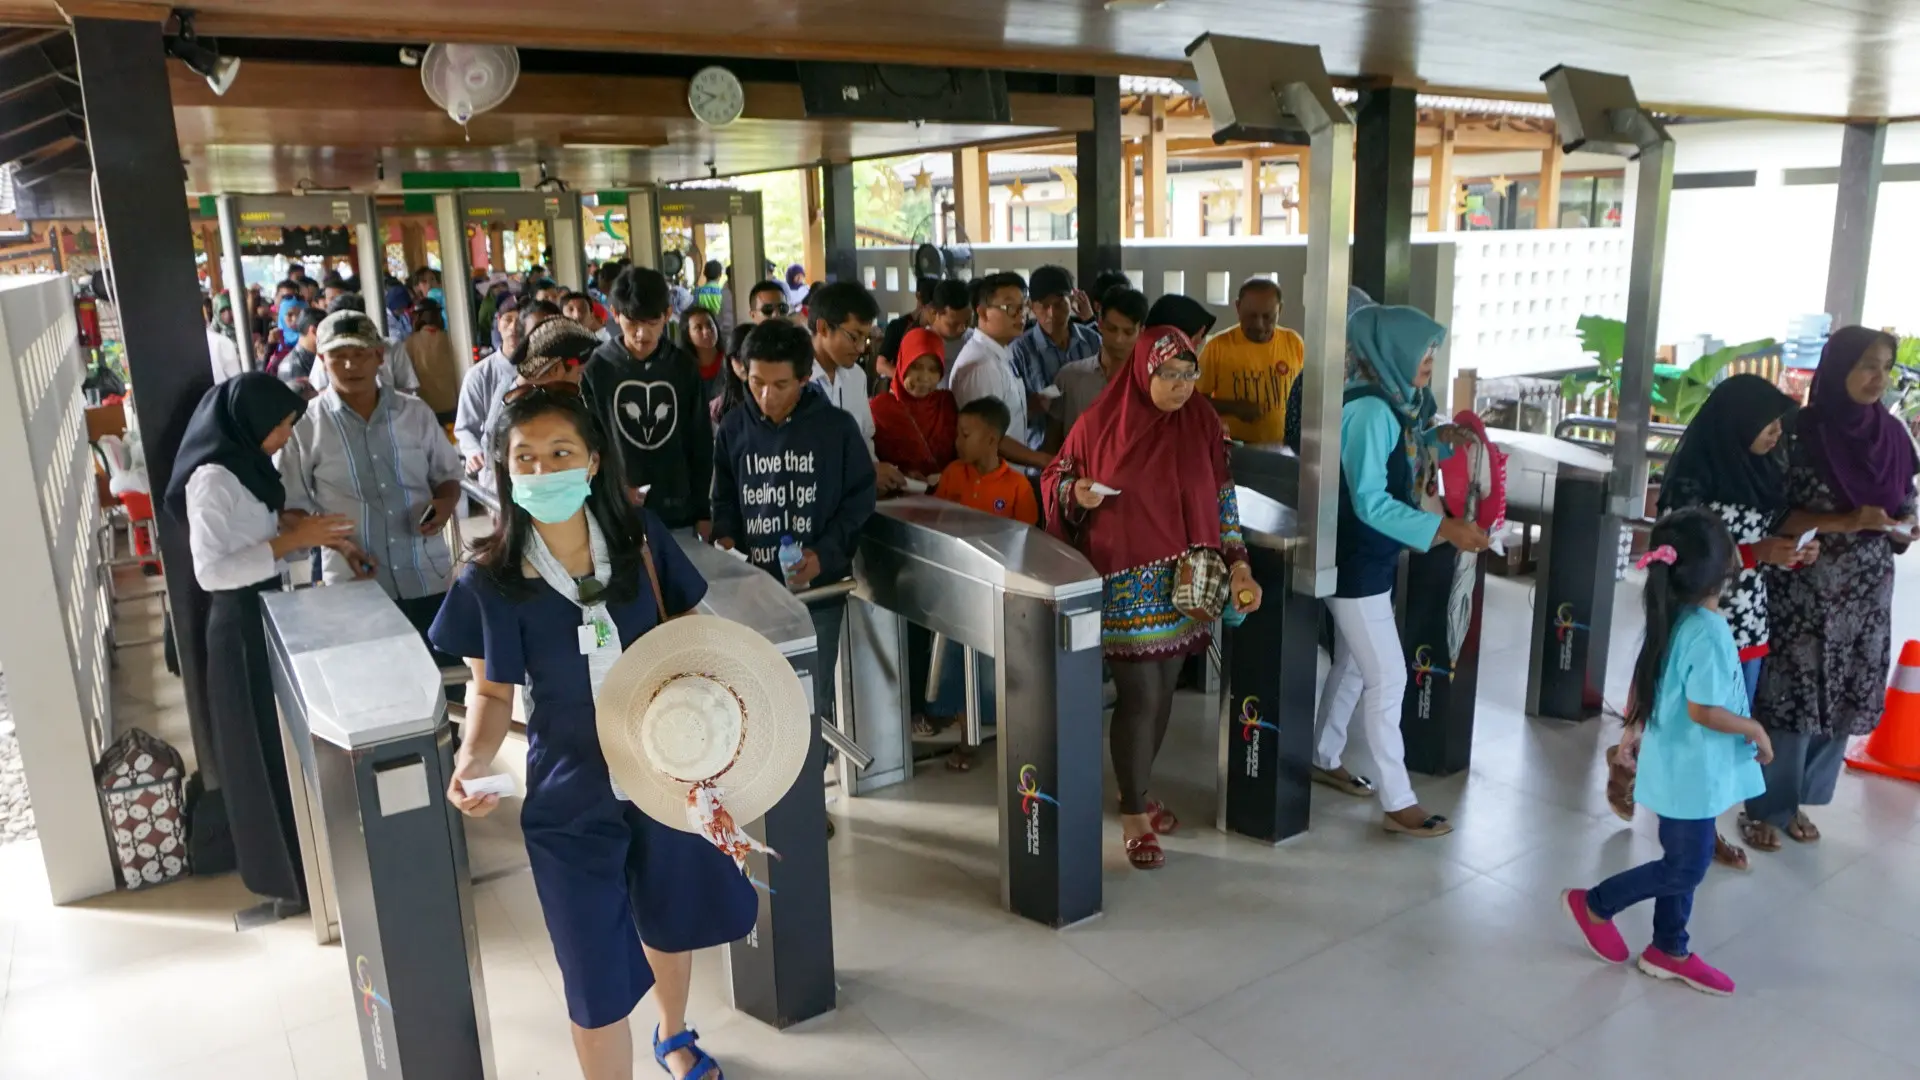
[{"x": 1683, "y": 392}]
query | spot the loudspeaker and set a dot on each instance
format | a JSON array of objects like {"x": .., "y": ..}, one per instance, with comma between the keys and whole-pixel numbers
[{"x": 901, "y": 92}]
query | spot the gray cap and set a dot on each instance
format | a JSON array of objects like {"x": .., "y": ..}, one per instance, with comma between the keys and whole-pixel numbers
[{"x": 347, "y": 329}]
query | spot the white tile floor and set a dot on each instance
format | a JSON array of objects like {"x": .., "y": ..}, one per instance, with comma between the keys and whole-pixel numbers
[{"x": 1344, "y": 953}]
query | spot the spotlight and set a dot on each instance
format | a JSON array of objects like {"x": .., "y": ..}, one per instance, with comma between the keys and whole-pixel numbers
[{"x": 202, "y": 59}]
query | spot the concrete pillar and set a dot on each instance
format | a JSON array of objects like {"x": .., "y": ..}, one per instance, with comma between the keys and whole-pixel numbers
[
  {"x": 1098, "y": 174},
  {"x": 837, "y": 218},
  {"x": 1383, "y": 193},
  {"x": 1862, "y": 153},
  {"x": 138, "y": 181}
]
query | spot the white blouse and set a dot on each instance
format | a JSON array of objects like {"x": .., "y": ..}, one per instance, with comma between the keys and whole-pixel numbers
[{"x": 230, "y": 530}]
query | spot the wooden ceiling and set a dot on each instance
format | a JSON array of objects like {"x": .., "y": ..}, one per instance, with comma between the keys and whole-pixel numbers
[
  {"x": 1827, "y": 58},
  {"x": 331, "y": 126}
]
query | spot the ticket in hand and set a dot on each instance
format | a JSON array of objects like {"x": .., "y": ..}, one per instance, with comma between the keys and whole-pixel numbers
[
  {"x": 500, "y": 784},
  {"x": 1806, "y": 538},
  {"x": 1102, "y": 489},
  {"x": 918, "y": 487},
  {"x": 1050, "y": 391}
]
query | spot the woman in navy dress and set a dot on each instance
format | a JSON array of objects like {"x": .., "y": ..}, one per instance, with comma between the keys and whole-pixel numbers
[{"x": 626, "y": 898}]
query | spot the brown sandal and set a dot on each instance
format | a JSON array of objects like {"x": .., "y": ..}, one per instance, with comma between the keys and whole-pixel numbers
[
  {"x": 1729, "y": 855},
  {"x": 1803, "y": 830},
  {"x": 1759, "y": 835},
  {"x": 1144, "y": 852},
  {"x": 1619, "y": 786}
]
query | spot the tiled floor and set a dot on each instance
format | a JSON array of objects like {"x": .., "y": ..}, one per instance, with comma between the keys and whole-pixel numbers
[{"x": 1344, "y": 953}]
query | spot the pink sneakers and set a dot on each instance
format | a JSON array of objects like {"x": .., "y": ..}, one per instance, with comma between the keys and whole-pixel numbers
[
  {"x": 1693, "y": 971},
  {"x": 1602, "y": 937}
]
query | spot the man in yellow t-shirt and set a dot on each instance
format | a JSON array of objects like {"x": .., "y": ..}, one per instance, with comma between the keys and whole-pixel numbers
[{"x": 1248, "y": 371}]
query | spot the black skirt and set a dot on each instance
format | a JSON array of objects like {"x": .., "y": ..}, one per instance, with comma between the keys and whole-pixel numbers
[{"x": 246, "y": 740}]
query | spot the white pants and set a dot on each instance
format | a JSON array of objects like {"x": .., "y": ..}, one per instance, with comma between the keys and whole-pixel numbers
[{"x": 1369, "y": 671}]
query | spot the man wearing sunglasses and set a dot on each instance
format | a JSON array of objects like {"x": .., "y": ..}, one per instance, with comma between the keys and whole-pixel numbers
[
  {"x": 649, "y": 391},
  {"x": 768, "y": 300},
  {"x": 985, "y": 365}
]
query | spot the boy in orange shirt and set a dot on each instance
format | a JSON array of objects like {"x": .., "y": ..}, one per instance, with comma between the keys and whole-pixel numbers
[{"x": 981, "y": 480}]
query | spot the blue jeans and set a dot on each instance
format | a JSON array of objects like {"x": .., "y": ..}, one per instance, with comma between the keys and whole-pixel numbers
[
  {"x": 1751, "y": 670},
  {"x": 1668, "y": 881},
  {"x": 950, "y": 699}
]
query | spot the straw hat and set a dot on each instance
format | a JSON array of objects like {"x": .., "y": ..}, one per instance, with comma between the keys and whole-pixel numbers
[{"x": 703, "y": 699}]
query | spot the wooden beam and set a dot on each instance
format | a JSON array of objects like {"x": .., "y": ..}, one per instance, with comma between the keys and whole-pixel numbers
[
  {"x": 815, "y": 256},
  {"x": 1469, "y": 138},
  {"x": 1304, "y": 158},
  {"x": 970, "y": 203},
  {"x": 1440, "y": 181},
  {"x": 1178, "y": 127},
  {"x": 1250, "y": 194},
  {"x": 1154, "y": 197},
  {"x": 1546, "y": 214}
]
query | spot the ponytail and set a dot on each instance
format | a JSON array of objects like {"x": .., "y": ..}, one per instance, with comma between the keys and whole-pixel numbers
[{"x": 1691, "y": 557}]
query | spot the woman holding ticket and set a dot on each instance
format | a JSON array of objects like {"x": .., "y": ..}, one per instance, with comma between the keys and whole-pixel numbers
[
  {"x": 1850, "y": 476},
  {"x": 571, "y": 576},
  {"x": 1142, "y": 488}
]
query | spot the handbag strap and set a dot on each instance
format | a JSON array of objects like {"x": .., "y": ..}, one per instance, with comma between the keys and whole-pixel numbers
[{"x": 653, "y": 579}]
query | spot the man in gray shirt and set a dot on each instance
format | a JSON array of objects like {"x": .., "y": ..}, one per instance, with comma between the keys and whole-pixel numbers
[
  {"x": 380, "y": 458},
  {"x": 482, "y": 386},
  {"x": 1123, "y": 310}
]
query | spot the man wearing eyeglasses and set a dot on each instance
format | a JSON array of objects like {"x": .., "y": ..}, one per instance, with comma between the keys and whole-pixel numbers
[
  {"x": 841, "y": 317},
  {"x": 985, "y": 365},
  {"x": 768, "y": 300}
]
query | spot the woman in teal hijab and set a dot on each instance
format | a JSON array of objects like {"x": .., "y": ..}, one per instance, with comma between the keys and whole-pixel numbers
[{"x": 1388, "y": 453}]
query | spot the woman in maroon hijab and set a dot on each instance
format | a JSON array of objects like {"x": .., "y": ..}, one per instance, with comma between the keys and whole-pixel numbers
[
  {"x": 1141, "y": 481},
  {"x": 1850, "y": 474}
]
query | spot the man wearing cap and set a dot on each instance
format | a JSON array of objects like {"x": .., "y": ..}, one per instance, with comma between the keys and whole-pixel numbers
[
  {"x": 380, "y": 458},
  {"x": 1051, "y": 343}
]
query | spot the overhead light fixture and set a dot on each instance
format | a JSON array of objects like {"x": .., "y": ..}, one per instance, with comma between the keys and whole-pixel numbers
[
  {"x": 1135, "y": 5},
  {"x": 202, "y": 59}
]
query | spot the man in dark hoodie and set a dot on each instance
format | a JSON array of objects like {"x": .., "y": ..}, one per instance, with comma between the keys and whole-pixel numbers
[
  {"x": 788, "y": 463},
  {"x": 648, "y": 391}
]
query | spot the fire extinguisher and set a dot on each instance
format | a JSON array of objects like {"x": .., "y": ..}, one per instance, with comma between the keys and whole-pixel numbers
[{"x": 87, "y": 314}]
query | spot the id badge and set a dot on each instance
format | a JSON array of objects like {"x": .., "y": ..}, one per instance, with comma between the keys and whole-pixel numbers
[{"x": 595, "y": 636}]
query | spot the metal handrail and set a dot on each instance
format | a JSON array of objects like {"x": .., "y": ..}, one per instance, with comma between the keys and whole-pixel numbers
[{"x": 1662, "y": 439}]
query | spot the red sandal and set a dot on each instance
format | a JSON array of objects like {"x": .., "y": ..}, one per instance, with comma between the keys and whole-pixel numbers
[
  {"x": 1144, "y": 852},
  {"x": 1163, "y": 820}
]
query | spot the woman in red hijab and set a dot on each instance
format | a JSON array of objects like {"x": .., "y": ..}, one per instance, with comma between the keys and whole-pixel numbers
[
  {"x": 914, "y": 422},
  {"x": 1141, "y": 482}
]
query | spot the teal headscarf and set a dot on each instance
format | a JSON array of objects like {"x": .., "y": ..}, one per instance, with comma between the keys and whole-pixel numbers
[{"x": 1390, "y": 342}]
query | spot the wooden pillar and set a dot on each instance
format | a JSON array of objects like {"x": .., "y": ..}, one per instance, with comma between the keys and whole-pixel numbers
[
  {"x": 1154, "y": 195},
  {"x": 1546, "y": 214},
  {"x": 413, "y": 245},
  {"x": 496, "y": 249},
  {"x": 210, "y": 243},
  {"x": 1128, "y": 199},
  {"x": 1304, "y": 159},
  {"x": 970, "y": 207},
  {"x": 1250, "y": 210},
  {"x": 814, "y": 254},
  {"x": 1440, "y": 215}
]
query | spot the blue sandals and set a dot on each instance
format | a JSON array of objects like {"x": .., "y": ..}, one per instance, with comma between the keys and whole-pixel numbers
[{"x": 704, "y": 1067}]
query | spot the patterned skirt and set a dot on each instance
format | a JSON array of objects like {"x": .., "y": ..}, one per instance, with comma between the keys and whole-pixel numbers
[{"x": 1138, "y": 620}]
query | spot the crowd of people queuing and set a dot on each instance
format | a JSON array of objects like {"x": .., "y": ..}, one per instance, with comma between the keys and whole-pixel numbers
[{"x": 1090, "y": 413}]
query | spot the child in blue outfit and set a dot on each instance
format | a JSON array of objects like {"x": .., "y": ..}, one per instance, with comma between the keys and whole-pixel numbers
[{"x": 1702, "y": 750}]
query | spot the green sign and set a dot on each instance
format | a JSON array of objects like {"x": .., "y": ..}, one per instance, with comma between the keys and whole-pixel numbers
[{"x": 442, "y": 181}]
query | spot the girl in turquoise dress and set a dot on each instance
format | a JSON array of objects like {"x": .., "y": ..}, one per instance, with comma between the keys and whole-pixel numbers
[{"x": 1701, "y": 753}]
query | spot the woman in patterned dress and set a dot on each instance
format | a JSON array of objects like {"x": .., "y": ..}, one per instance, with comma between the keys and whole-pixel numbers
[
  {"x": 1159, "y": 453},
  {"x": 1850, "y": 475},
  {"x": 1727, "y": 464}
]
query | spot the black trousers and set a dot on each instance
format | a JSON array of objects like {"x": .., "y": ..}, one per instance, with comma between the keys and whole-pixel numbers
[
  {"x": 421, "y": 611},
  {"x": 246, "y": 741},
  {"x": 1142, "y": 708}
]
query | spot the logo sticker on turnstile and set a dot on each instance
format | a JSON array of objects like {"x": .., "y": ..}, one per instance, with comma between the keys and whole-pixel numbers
[
  {"x": 369, "y": 1000},
  {"x": 1424, "y": 670},
  {"x": 1250, "y": 727},
  {"x": 1563, "y": 628},
  {"x": 1030, "y": 799}
]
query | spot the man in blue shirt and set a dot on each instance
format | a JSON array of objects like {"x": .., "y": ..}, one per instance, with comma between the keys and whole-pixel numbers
[{"x": 1052, "y": 342}]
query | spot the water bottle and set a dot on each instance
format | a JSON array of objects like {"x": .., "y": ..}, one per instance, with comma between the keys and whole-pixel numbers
[{"x": 790, "y": 556}]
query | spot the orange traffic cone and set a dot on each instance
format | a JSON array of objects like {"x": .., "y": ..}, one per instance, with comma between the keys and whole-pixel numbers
[{"x": 1894, "y": 747}]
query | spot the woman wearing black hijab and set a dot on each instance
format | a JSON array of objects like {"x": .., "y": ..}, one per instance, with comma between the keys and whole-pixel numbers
[
  {"x": 1727, "y": 463},
  {"x": 227, "y": 491}
]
